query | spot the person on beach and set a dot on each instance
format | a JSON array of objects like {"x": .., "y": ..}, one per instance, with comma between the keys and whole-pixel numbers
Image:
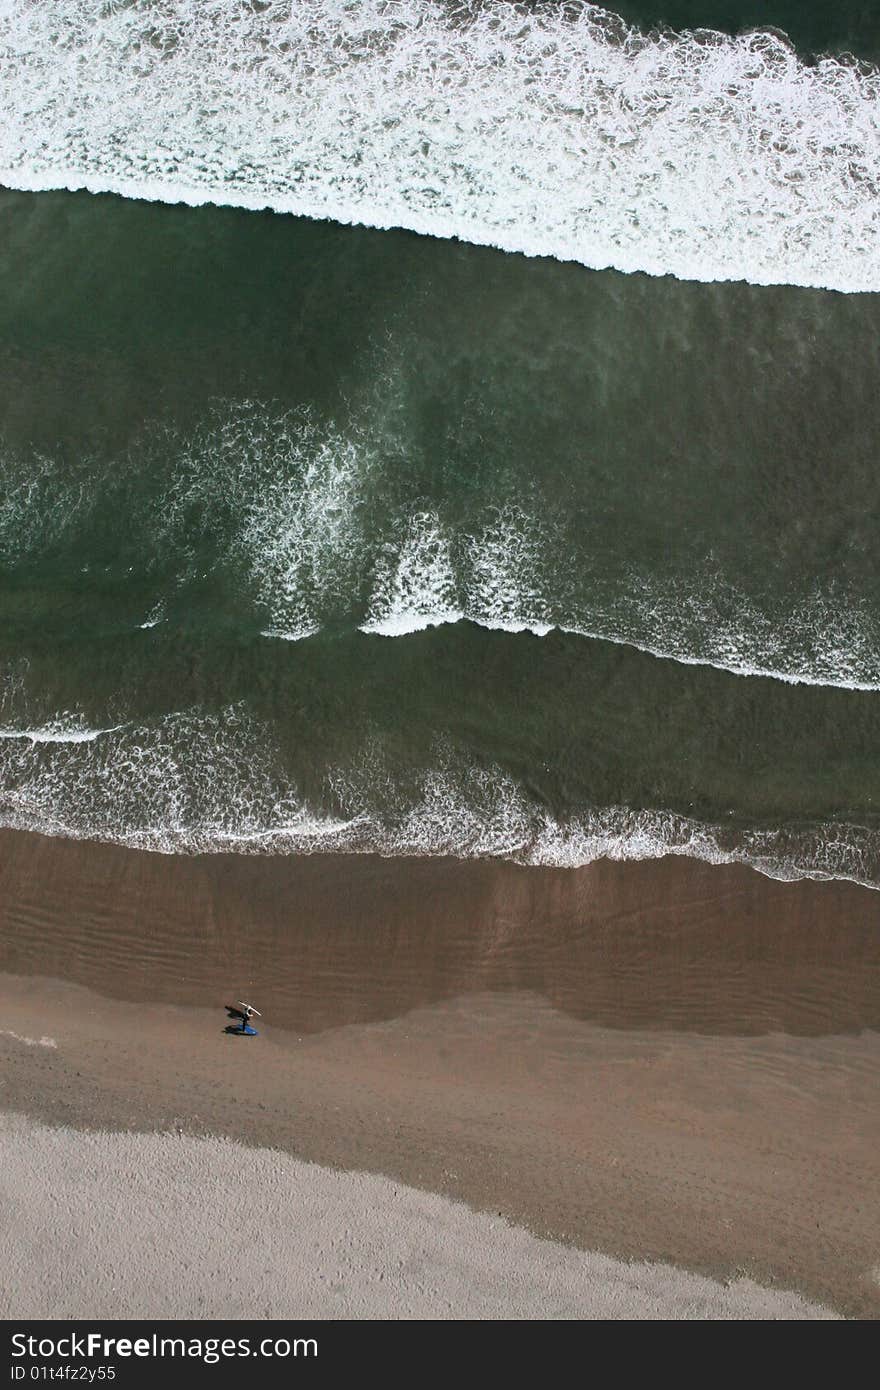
[{"x": 247, "y": 1013}]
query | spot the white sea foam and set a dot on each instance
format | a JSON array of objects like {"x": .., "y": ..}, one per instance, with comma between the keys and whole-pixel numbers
[
  {"x": 502, "y": 578},
  {"x": 279, "y": 497},
  {"x": 419, "y": 584},
  {"x": 720, "y": 644},
  {"x": 185, "y": 782},
  {"x": 300, "y": 528},
  {"x": 555, "y": 130},
  {"x": 290, "y": 634},
  {"x": 155, "y": 616},
  {"x": 320, "y": 536},
  {"x": 65, "y": 729},
  {"x": 503, "y": 563},
  {"x": 417, "y": 588},
  {"x": 37, "y": 503},
  {"x": 318, "y": 523},
  {"x": 193, "y": 783}
]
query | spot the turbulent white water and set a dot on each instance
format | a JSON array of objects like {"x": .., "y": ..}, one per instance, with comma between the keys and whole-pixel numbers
[
  {"x": 59, "y": 731},
  {"x": 309, "y": 515},
  {"x": 552, "y": 131},
  {"x": 192, "y": 783},
  {"x": 489, "y": 579},
  {"x": 310, "y": 512}
]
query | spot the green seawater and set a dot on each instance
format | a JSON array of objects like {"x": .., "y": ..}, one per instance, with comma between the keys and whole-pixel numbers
[
  {"x": 814, "y": 26},
  {"x": 321, "y": 535}
]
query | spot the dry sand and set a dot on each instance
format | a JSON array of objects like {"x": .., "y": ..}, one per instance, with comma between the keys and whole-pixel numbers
[
  {"x": 663, "y": 1062},
  {"x": 159, "y": 1226}
]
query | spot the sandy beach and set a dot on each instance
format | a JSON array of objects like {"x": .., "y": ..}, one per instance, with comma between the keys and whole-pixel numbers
[
  {"x": 256, "y": 1233},
  {"x": 662, "y": 1062}
]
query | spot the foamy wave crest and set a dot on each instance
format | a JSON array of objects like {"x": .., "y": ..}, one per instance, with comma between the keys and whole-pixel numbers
[
  {"x": 188, "y": 782},
  {"x": 468, "y": 810},
  {"x": 428, "y": 577},
  {"x": 417, "y": 588},
  {"x": 317, "y": 527},
  {"x": 301, "y": 529},
  {"x": 553, "y": 130},
  {"x": 194, "y": 783},
  {"x": 66, "y": 729},
  {"x": 511, "y": 575},
  {"x": 15, "y": 724}
]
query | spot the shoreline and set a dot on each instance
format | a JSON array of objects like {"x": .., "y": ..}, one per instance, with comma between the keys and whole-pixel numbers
[
  {"x": 333, "y": 939},
  {"x": 662, "y": 1061}
]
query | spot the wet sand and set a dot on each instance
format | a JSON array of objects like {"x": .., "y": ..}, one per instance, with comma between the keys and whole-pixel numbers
[{"x": 663, "y": 1061}]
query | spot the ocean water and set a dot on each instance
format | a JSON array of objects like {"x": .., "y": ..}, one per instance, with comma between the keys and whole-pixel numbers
[
  {"x": 551, "y": 129},
  {"x": 442, "y": 429}
]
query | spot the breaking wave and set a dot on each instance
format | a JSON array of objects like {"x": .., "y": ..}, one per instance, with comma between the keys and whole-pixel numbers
[
  {"x": 552, "y": 130},
  {"x": 701, "y": 621},
  {"x": 318, "y": 529},
  {"x": 61, "y": 730},
  {"x": 195, "y": 783}
]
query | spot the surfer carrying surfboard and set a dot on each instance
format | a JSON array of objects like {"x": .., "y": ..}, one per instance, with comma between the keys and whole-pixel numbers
[{"x": 247, "y": 1013}]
